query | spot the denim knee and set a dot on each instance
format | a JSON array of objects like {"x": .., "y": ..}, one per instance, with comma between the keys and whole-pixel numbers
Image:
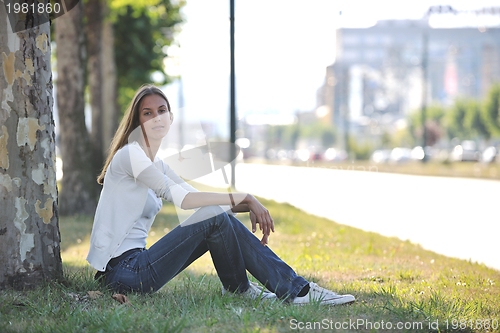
[
  {"x": 213, "y": 210},
  {"x": 206, "y": 214}
]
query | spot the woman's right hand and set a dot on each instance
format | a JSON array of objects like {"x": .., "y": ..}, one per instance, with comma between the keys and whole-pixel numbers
[{"x": 259, "y": 214}]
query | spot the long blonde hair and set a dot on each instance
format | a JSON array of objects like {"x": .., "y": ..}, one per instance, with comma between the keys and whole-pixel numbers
[{"x": 130, "y": 121}]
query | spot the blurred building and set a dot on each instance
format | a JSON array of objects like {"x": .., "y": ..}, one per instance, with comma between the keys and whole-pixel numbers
[{"x": 376, "y": 79}]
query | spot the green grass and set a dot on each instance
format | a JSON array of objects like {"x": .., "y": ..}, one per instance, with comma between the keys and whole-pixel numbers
[{"x": 393, "y": 280}]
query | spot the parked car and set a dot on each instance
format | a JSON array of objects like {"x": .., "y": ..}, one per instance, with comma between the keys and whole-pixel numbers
[
  {"x": 490, "y": 154},
  {"x": 301, "y": 155},
  {"x": 380, "y": 156},
  {"x": 271, "y": 154},
  {"x": 332, "y": 154},
  {"x": 466, "y": 151},
  {"x": 429, "y": 152},
  {"x": 315, "y": 156},
  {"x": 417, "y": 153},
  {"x": 282, "y": 155},
  {"x": 400, "y": 155}
]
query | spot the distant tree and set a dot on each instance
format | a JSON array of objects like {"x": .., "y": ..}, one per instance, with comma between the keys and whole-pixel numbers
[
  {"x": 110, "y": 107},
  {"x": 434, "y": 113},
  {"x": 466, "y": 120},
  {"x": 325, "y": 133},
  {"x": 286, "y": 136},
  {"x": 291, "y": 135},
  {"x": 436, "y": 121},
  {"x": 404, "y": 137},
  {"x": 455, "y": 120},
  {"x": 93, "y": 27},
  {"x": 29, "y": 219},
  {"x": 434, "y": 132},
  {"x": 360, "y": 151},
  {"x": 491, "y": 111},
  {"x": 328, "y": 137},
  {"x": 142, "y": 30},
  {"x": 474, "y": 121},
  {"x": 385, "y": 140},
  {"x": 275, "y": 137},
  {"x": 78, "y": 195}
]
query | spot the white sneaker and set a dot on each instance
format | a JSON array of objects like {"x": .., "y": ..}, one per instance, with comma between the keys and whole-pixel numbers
[
  {"x": 323, "y": 296},
  {"x": 254, "y": 291}
]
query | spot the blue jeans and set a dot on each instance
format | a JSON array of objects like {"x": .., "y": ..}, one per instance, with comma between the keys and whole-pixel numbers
[{"x": 234, "y": 249}]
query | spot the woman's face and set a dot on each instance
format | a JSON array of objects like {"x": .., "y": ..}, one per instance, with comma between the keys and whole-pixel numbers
[{"x": 154, "y": 116}]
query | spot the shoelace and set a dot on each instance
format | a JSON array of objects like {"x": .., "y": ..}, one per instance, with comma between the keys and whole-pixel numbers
[
  {"x": 315, "y": 287},
  {"x": 255, "y": 285},
  {"x": 261, "y": 290}
]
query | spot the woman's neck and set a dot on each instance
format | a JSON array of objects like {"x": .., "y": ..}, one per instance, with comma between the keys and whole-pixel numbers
[{"x": 152, "y": 149}]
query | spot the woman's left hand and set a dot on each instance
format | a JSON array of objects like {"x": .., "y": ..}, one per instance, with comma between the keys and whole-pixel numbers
[{"x": 259, "y": 214}]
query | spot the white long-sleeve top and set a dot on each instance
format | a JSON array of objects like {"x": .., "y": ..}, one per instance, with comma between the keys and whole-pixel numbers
[
  {"x": 122, "y": 203},
  {"x": 137, "y": 236}
]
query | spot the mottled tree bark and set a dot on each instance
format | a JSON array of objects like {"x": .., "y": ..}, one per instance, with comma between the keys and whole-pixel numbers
[
  {"x": 29, "y": 223},
  {"x": 78, "y": 184},
  {"x": 93, "y": 14}
]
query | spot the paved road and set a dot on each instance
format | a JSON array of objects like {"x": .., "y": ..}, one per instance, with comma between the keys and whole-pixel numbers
[{"x": 457, "y": 217}]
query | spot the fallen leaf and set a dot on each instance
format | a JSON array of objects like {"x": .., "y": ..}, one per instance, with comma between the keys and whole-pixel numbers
[
  {"x": 122, "y": 299},
  {"x": 94, "y": 294}
]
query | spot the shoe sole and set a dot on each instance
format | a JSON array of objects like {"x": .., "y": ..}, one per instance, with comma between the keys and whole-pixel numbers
[{"x": 329, "y": 302}]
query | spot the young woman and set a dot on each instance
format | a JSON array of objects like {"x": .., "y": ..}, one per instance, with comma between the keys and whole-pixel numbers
[{"x": 134, "y": 181}]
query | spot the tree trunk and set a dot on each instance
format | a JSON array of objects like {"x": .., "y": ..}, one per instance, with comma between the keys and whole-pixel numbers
[
  {"x": 78, "y": 184},
  {"x": 109, "y": 82},
  {"x": 93, "y": 13},
  {"x": 29, "y": 219}
]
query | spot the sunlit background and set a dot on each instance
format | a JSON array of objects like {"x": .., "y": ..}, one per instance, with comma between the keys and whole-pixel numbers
[
  {"x": 356, "y": 66},
  {"x": 342, "y": 82},
  {"x": 339, "y": 86}
]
